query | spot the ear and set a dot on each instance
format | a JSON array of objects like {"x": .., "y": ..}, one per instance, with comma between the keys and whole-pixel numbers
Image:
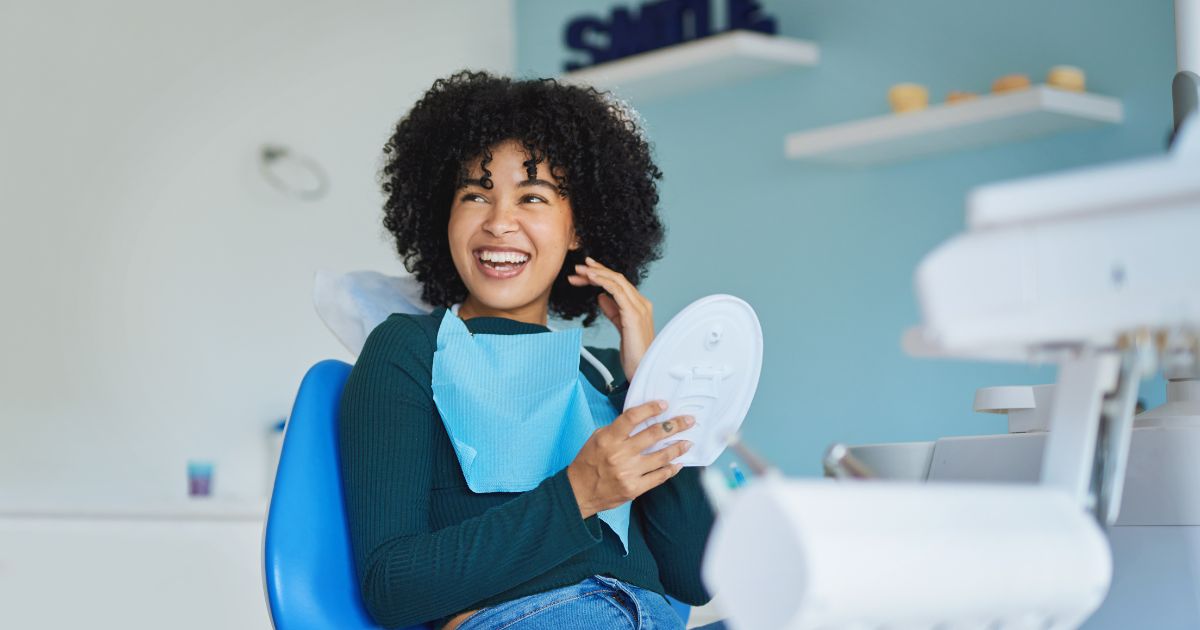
[{"x": 575, "y": 244}]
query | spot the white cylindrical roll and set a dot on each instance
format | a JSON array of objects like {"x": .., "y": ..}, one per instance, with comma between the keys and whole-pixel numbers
[{"x": 793, "y": 554}]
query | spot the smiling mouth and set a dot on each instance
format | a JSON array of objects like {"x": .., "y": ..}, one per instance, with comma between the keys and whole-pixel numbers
[{"x": 501, "y": 264}]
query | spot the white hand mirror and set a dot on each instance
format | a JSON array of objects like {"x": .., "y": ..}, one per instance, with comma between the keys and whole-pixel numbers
[{"x": 705, "y": 363}]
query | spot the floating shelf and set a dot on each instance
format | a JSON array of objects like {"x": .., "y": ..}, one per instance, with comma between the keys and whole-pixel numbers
[
  {"x": 698, "y": 64},
  {"x": 991, "y": 119}
]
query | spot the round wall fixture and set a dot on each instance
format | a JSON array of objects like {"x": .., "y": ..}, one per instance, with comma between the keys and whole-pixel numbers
[{"x": 295, "y": 175}]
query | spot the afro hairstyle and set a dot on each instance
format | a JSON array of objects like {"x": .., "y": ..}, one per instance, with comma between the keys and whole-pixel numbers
[{"x": 594, "y": 146}]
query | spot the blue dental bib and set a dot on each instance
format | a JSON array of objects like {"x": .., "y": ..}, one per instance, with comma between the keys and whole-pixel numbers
[{"x": 517, "y": 408}]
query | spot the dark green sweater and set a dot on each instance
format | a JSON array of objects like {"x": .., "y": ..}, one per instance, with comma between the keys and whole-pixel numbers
[{"x": 426, "y": 547}]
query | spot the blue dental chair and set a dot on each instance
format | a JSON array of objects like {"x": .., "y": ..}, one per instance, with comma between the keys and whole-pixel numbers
[{"x": 309, "y": 571}]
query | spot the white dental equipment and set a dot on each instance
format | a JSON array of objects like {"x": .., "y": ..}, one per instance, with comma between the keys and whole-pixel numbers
[
  {"x": 1096, "y": 271},
  {"x": 1093, "y": 270}
]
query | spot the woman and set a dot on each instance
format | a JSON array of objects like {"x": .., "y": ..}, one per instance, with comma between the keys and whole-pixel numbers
[{"x": 510, "y": 199}]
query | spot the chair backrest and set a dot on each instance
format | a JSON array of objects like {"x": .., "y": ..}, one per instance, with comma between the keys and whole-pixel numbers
[{"x": 309, "y": 571}]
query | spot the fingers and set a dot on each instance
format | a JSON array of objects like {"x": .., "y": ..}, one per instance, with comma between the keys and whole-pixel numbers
[
  {"x": 582, "y": 275},
  {"x": 633, "y": 292},
  {"x": 621, "y": 303},
  {"x": 606, "y": 281},
  {"x": 617, "y": 285},
  {"x": 627, "y": 421},
  {"x": 656, "y": 477},
  {"x": 665, "y": 456},
  {"x": 656, "y": 432},
  {"x": 609, "y": 306}
]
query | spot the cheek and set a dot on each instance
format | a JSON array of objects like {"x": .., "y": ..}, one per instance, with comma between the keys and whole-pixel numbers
[
  {"x": 458, "y": 231},
  {"x": 552, "y": 238}
]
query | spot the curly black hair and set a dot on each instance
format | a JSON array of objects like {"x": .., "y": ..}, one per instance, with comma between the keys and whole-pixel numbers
[{"x": 595, "y": 149}]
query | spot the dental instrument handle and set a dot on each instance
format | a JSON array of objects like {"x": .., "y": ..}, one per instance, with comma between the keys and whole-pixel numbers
[
  {"x": 757, "y": 464},
  {"x": 842, "y": 464}
]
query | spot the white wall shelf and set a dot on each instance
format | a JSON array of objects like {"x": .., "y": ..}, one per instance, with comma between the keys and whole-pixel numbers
[
  {"x": 990, "y": 119},
  {"x": 698, "y": 64}
]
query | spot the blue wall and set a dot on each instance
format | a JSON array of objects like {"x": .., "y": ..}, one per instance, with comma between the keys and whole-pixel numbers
[{"x": 826, "y": 254}]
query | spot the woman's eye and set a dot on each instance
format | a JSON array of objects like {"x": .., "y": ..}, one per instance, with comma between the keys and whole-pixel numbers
[
  {"x": 472, "y": 197},
  {"x": 534, "y": 198}
]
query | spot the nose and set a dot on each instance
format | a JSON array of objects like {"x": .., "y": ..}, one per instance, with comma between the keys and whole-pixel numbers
[{"x": 500, "y": 220}]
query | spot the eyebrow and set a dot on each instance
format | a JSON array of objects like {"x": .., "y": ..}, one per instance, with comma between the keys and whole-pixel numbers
[{"x": 528, "y": 182}]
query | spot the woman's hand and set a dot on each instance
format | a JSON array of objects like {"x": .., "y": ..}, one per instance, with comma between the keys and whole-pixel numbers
[
  {"x": 624, "y": 306},
  {"x": 610, "y": 468}
]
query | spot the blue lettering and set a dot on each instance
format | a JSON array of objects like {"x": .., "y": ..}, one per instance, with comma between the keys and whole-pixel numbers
[
  {"x": 655, "y": 24},
  {"x": 747, "y": 14},
  {"x": 577, "y": 36}
]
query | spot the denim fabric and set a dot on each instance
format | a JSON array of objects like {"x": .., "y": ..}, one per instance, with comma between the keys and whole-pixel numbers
[{"x": 597, "y": 603}]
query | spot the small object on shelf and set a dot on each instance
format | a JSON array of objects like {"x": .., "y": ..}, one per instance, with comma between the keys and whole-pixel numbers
[
  {"x": 1067, "y": 78},
  {"x": 908, "y": 97},
  {"x": 200, "y": 473},
  {"x": 957, "y": 96},
  {"x": 1010, "y": 83},
  {"x": 987, "y": 120}
]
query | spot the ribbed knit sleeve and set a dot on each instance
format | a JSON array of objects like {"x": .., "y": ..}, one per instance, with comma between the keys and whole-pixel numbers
[
  {"x": 409, "y": 574},
  {"x": 677, "y": 519}
]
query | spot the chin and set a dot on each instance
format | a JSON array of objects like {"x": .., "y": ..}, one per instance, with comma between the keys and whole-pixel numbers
[
  {"x": 504, "y": 300},
  {"x": 507, "y": 289}
]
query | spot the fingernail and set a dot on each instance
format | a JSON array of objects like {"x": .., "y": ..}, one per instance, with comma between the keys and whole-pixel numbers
[
  {"x": 687, "y": 446},
  {"x": 689, "y": 420},
  {"x": 662, "y": 405},
  {"x": 589, "y": 259}
]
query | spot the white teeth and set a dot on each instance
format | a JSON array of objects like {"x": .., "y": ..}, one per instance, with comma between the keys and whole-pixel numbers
[{"x": 503, "y": 257}]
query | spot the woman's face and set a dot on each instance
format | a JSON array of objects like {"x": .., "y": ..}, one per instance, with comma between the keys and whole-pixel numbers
[{"x": 509, "y": 242}]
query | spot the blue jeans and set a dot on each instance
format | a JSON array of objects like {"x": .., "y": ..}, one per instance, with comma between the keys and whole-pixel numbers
[{"x": 597, "y": 603}]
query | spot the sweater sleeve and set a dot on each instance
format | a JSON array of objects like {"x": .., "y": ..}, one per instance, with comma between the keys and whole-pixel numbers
[
  {"x": 676, "y": 518},
  {"x": 409, "y": 574}
]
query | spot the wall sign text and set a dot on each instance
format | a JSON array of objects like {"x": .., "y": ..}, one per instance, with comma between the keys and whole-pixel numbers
[{"x": 656, "y": 24}]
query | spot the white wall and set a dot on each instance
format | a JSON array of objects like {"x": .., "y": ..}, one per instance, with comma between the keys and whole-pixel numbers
[
  {"x": 131, "y": 574},
  {"x": 156, "y": 292}
]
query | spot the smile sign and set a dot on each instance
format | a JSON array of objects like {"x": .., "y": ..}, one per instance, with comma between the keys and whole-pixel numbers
[{"x": 657, "y": 24}]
